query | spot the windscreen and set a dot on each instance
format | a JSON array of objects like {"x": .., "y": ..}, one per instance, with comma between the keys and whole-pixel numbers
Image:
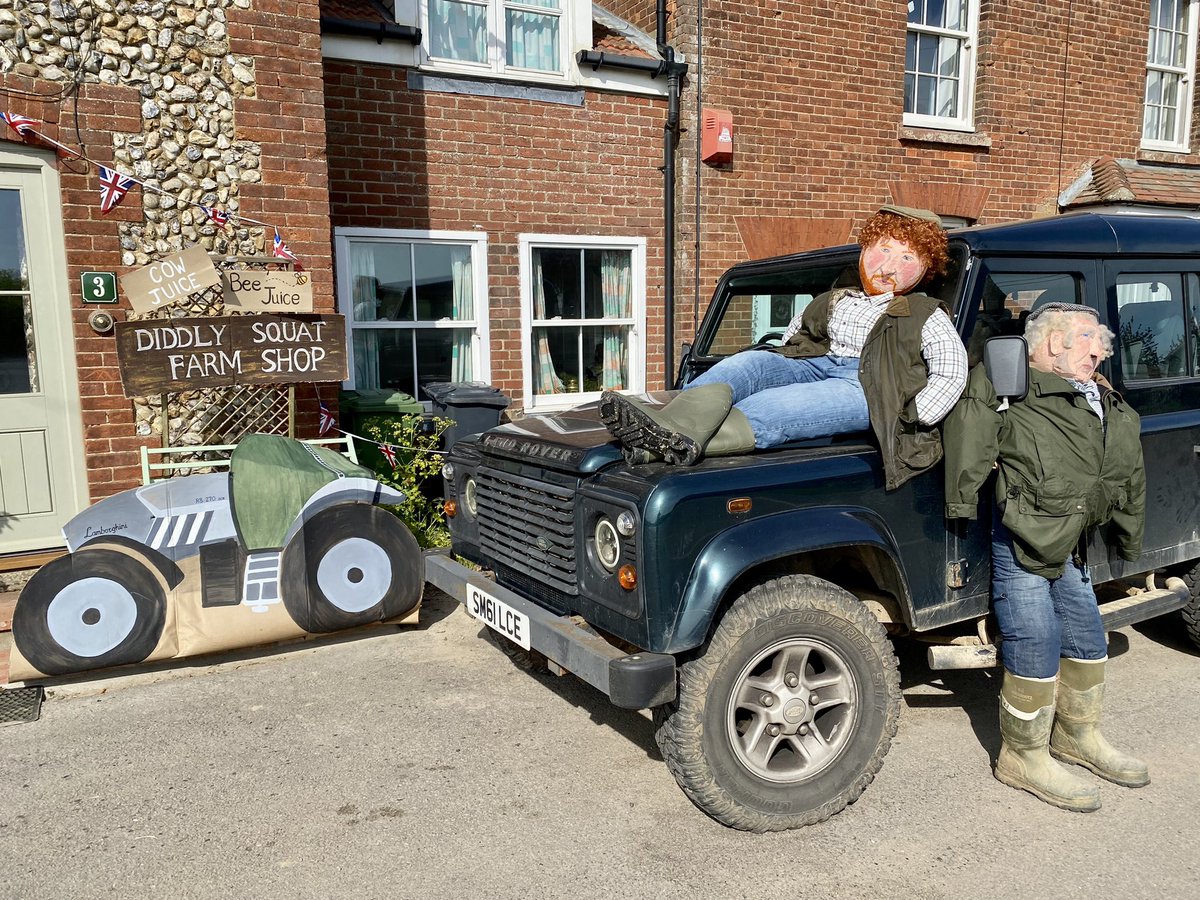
[{"x": 757, "y": 307}]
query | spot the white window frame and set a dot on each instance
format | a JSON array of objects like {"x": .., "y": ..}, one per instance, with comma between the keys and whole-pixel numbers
[
  {"x": 495, "y": 64},
  {"x": 637, "y": 321},
  {"x": 1183, "y": 110},
  {"x": 481, "y": 369},
  {"x": 965, "y": 118}
]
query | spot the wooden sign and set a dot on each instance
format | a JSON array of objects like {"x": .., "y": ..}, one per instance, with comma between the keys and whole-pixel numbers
[
  {"x": 169, "y": 280},
  {"x": 253, "y": 290},
  {"x": 188, "y": 354}
]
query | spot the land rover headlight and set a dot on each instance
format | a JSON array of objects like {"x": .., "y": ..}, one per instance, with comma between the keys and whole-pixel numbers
[
  {"x": 608, "y": 544},
  {"x": 469, "y": 496}
]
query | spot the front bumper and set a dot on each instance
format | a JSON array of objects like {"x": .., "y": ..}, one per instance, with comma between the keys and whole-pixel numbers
[{"x": 630, "y": 681}]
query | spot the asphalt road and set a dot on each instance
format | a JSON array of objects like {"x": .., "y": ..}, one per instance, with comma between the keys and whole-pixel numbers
[{"x": 420, "y": 762}]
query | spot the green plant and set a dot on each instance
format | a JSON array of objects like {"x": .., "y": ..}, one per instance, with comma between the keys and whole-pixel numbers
[{"x": 418, "y": 470}]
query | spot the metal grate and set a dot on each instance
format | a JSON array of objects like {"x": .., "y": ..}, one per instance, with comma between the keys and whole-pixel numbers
[
  {"x": 533, "y": 587},
  {"x": 18, "y": 705},
  {"x": 529, "y": 525}
]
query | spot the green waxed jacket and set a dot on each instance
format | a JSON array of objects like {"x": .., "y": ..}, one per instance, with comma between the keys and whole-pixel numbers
[
  {"x": 892, "y": 372},
  {"x": 1061, "y": 470}
]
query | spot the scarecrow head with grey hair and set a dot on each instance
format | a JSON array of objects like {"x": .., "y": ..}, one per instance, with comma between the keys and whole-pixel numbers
[{"x": 1068, "y": 340}]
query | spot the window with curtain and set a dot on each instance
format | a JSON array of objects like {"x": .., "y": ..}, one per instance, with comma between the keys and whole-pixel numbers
[
  {"x": 497, "y": 35},
  {"x": 584, "y": 311},
  {"x": 939, "y": 63},
  {"x": 1170, "y": 71},
  {"x": 414, "y": 306}
]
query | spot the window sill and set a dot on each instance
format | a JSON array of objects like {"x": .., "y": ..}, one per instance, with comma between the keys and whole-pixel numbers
[
  {"x": 493, "y": 86},
  {"x": 943, "y": 136},
  {"x": 1175, "y": 157}
]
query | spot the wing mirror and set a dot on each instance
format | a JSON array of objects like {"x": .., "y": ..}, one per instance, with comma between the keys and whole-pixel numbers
[{"x": 1006, "y": 361}]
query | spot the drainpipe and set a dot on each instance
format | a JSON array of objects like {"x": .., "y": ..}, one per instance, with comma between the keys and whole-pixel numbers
[{"x": 675, "y": 71}]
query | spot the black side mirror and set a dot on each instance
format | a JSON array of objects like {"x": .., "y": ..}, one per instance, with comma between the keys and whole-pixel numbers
[{"x": 1006, "y": 361}]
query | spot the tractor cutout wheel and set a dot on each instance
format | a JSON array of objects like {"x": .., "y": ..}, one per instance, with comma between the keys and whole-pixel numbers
[{"x": 351, "y": 565}]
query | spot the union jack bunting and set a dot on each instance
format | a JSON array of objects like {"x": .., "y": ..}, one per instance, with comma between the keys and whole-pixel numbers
[
  {"x": 389, "y": 453},
  {"x": 281, "y": 249},
  {"x": 327, "y": 421},
  {"x": 218, "y": 216},
  {"x": 23, "y": 125},
  {"x": 113, "y": 188}
]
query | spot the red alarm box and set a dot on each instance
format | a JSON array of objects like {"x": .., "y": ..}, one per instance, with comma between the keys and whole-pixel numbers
[{"x": 716, "y": 137}]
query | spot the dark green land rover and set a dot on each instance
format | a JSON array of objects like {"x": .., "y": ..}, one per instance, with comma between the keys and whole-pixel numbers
[{"x": 749, "y": 601}]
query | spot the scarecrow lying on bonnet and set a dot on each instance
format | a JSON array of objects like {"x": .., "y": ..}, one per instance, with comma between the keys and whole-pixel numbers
[{"x": 876, "y": 355}]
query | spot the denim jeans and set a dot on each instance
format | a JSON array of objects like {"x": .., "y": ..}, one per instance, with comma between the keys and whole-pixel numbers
[
  {"x": 1042, "y": 620},
  {"x": 793, "y": 399}
]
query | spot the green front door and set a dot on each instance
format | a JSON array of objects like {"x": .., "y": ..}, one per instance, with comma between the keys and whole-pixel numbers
[{"x": 41, "y": 455}]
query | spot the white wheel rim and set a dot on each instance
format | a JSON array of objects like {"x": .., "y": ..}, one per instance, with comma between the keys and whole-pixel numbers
[
  {"x": 91, "y": 616},
  {"x": 355, "y": 574}
]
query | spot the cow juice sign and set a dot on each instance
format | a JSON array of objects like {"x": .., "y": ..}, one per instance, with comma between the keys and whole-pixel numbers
[
  {"x": 190, "y": 354},
  {"x": 171, "y": 280}
]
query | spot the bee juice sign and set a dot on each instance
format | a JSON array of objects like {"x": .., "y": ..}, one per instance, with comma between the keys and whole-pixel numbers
[
  {"x": 189, "y": 354},
  {"x": 252, "y": 290}
]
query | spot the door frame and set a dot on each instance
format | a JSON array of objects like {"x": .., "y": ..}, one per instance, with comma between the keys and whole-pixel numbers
[{"x": 52, "y": 287}]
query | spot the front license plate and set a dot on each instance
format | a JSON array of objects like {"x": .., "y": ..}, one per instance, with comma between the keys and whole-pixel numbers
[{"x": 498, "y": 615}]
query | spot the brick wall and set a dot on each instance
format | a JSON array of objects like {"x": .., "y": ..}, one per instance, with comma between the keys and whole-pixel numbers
[
  {"x": 816, "y": 92},
  {"x": 400, "y": 158},
  {"x": 286, "y": 117}
]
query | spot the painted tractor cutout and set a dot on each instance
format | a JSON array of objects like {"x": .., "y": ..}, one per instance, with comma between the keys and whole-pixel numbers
[{"x": 290, "y": 540}]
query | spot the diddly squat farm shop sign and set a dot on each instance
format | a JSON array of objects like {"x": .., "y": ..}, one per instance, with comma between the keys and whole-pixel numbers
[{"x": 188, "y": 354}]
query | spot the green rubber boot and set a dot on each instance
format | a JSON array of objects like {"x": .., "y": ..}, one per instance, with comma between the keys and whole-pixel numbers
[
  {"x": 1026, "y": 717},
  {"x": 733, "y": 437},
  {"x": 1076, "y": 737},
  {"x": 676, "y": 432}
]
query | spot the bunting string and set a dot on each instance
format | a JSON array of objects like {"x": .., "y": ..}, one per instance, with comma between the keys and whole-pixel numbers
[
  {"x": 114, "y": 184},
  {"x": 327, "y": 423},
  {"x": 387, "y": 448}
]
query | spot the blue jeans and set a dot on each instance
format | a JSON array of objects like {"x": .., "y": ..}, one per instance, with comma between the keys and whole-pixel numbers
[
  {"x": 1042, "y": 620},
  {"x": 793, "y": 399}
]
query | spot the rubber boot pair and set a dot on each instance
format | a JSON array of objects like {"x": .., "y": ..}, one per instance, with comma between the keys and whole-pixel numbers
[
  {"x": 1038, "y": 727},
  {"x": 695, "y": 423}
]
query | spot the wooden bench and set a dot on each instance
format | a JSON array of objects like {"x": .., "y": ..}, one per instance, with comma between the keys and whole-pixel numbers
[{"x": 176, "y": 461}]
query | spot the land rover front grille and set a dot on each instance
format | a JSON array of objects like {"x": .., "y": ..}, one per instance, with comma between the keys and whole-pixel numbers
[{"x": 529, "y": 526}]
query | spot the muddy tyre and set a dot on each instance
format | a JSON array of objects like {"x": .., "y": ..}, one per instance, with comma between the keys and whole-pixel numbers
[
  {"x": 787, "y": 715},
  {"x": 1191, "y": 612}
]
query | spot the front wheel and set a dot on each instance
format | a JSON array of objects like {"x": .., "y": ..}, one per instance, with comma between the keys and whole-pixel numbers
[
  {"x": 786, "y": 717},
  {"x": 350, "y": 565}
]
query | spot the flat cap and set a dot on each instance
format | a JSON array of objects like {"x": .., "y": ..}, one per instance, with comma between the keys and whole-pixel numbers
[
  {"x": 1058, "y": 306},
  {"x": 911, "y": 212}
]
